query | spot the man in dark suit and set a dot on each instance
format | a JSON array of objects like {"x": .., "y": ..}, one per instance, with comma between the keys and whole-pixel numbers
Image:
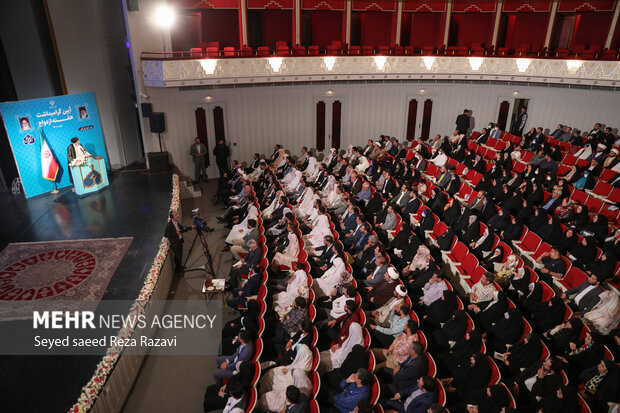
[
  {"x": 356, "y": 184},
  {"x": 416, "y": 399},
  {"x": 174, "y": 232},
  {"x": 407, "y": 373},
  {"x": 539, "y": 380},
  {"x": 248, "y": 288},
  {"x": 227, "y": 365},
  {"x": 587, "y": 294},
  {"x": 296, "y": 401},
  {"x": 615, "y": 181},
  {"x": 412, "y": 206},
  {"x": 462, "y": 122},
  {"x": 388, "y": 184},
  {"x": 288, "y": 351},
  {"x": 244, "y": 265},
  {"x": 361, "y": 239},
  {"x": 348, "y": 222},
  {"x": 198, "y": 151}
]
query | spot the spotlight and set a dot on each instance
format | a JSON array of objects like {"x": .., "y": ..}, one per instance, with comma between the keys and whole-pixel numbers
[{"x": 164, "y": 16}]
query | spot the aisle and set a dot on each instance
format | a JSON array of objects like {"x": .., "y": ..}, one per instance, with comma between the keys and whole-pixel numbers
[{"x": 178, "y": 383}]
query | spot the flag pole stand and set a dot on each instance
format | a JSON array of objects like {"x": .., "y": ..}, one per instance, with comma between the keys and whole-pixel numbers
[{"x": 54, "y": 191}]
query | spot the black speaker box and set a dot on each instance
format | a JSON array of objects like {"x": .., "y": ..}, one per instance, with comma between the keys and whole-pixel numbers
[
  {"x": 147, "y": 109},
  {"x": 158, "y": 161},
  {"x": 157, "y": 122}
]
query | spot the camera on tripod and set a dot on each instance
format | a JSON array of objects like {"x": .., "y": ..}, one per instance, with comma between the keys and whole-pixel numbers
[{"x": 199, "y": 223}]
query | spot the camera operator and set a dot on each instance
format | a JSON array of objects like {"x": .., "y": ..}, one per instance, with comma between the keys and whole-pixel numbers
[{"x": 174, "y": 232}]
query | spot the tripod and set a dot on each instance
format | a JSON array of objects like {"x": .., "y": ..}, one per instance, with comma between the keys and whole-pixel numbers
[{"x": 208, "y": 266}]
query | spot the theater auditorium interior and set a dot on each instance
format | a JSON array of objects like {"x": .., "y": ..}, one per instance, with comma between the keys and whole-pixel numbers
[{"x": 388, "y": 206}]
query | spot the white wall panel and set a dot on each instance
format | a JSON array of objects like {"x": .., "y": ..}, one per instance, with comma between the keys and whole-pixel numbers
[{"x": 260, "y": 117}]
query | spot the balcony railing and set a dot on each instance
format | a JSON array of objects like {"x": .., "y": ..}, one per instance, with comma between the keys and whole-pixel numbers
[{"x": 580, "y": 53}]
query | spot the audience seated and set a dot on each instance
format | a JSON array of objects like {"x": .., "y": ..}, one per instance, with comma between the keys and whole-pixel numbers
[{"x": 377, "y": 212}]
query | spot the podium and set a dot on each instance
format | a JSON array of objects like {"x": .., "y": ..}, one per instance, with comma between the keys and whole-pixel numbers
[{"x": 90, "y": 177}]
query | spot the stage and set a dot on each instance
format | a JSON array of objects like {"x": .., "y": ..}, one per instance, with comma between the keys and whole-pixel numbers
[{"x": 134, "y": 205}]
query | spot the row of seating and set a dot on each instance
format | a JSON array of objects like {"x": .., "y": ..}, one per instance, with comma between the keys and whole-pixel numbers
[
  {"x": 211, "y": 50},
  {"x": 477, "y": 272}
]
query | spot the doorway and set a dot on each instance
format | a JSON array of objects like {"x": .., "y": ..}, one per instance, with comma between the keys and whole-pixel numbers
[
  {"x": 328, "y": 122},
  {"x": 419, "y": 117},
  {"x": 508, "y": 110},
  {"x": 516, "y": 110},
  {"x": 211, "y": 126}
]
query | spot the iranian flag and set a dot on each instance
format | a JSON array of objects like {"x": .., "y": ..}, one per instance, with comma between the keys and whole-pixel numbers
[{"x": 49, "y": 166}]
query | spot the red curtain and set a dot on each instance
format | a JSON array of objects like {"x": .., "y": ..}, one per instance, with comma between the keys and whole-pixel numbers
[
  {"x": 326, "y": 26},
  {"x": 474, "y": 28},
  {"x": 424, "y": 29},
  {"x": 376, "y": 27},
  {"x": 221, "y": 26},
  {"x": 592, "y": 29},
  {"x": 528, "y": 28},
  {"x": 320, "y": 125},
  {"x": 276, "y": 25}
]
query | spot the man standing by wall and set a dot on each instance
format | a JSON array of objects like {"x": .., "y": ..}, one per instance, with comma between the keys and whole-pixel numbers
[
  {"x": 221, "y": 153},
  {"x": 520, "y": 122},
  {"x": 198, "y": 152},
  {"x": 462, "y": 122}
]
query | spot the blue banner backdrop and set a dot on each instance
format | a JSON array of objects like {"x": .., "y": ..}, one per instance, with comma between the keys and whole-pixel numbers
[{"x": 61, "y": 118}]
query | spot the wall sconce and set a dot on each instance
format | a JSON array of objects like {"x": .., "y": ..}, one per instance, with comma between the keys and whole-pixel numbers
[
  {"x": 422, "y": 90},
  {"x": 429, "y": 61},
  {"x": 329, "y": 61},
  {"x": 475, "y": 63},
  {"x": 523, "y": 64},
  {"x": 329, "y": 92},
  {"x": 208, "y": 98},
  {"x": 516, "y": 92},
  {"x": 208, "y": 65},
  {"x": 275, "y": 63},
  {"x": 380, "y": 61},
  {"x": 573, "y": 65}
]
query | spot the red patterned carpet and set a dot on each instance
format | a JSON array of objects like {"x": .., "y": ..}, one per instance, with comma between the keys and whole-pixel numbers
[{"x": 58, "y": 270}]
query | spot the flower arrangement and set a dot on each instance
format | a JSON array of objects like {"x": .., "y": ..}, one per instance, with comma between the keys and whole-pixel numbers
[
  {"x": 91, "y": 390},
  {"x": 77, "y": 162}
]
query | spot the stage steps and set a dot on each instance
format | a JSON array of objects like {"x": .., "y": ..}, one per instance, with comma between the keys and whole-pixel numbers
[{"x": 189, "y": 189}]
